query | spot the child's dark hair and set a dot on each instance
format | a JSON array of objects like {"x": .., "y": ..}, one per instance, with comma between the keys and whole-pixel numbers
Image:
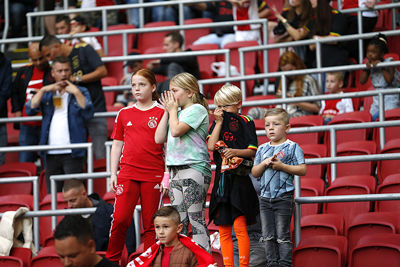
[
  {"x": 380, "y": 41},
  {"x": 170, "y": 212}
]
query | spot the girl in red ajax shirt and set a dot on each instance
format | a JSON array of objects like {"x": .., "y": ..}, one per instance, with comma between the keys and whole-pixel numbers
[{"x": 141, "y": 164}]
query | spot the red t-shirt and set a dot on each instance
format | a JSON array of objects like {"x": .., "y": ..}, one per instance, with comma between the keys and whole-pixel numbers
[
  {"x": 165, "y": 256},
  {"x": 142, "y": 159},
  {"x": 34, "y": 85}
]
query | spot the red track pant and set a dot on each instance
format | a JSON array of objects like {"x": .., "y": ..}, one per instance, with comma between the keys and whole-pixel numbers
[{"x": 127, "y": 196}]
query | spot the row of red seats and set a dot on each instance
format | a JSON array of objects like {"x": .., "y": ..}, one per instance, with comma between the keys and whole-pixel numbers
[{"x": 371, "y": 250}]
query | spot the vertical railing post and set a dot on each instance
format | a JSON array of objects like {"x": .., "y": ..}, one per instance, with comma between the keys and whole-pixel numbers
[
  {"x": 283, "y": 90},
  {"x": 90, "y": 167},
  {"x": 333, "y": 153},
  {"x": 381, "y": 99},
  {"x": 297, "y": 210},
  {"x": 36, "y": 208}
]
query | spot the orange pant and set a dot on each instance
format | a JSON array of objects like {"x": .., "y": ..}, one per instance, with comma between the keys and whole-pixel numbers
[{"x": 225, "y": 233}]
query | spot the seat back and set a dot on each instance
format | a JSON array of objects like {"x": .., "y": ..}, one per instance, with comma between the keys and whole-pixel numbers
[
  {"x": 45, "y": 222},
  {"x": 390, "y": 132},
  {"x": 350, "y": 185},
  {"x": 17, "y": 169},
  {"x": 317, "y": 251},
  {"x": 391, "y": 184},
  {"x": 376, "y": 250},
  {"x": 153, "y": 39},
  {"x": 245, "y": 110},
  {"x": 15, "y": 201},
  {"x": 194, "y": 34},
  {"x": 306, "y": 121},
  {"x": 349, "y": 135},
  {"x": 9, "y": 261},
  {"x": 311, "y": 187},
  {"x": 371, "y": 222},
  {"x": 322, "y": 224},
  {"x": 25, "y": 254},
  {"x": 115, "y": 42},
  {"x": 314, "y": 151},
  {"x": 388, "y": 167}
]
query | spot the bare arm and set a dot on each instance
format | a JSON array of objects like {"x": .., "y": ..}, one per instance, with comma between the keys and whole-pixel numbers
[
  {"x": 160, "y": 136},
  {"x": 309, "y": 107},
  {"x": 214, "y": 137},
  {"x": 116, "y": 151},
  {"x": 365, "y": 73}
]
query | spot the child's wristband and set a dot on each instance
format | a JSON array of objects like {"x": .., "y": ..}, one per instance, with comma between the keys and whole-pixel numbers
[{"x": 165, "y": 180}]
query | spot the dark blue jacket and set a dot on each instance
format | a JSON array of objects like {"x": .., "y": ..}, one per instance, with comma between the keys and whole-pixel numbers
[
  {"x": 5, "y": 84},
  {"x": 76, "y": 118}
]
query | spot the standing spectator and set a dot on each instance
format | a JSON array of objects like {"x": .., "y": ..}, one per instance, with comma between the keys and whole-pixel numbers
[
  {"x": 50, "y": 21},
  {"x": 141, "y": 164},
  {"x": 329, "y": 23},
  {"x": 246, "y": 10},
  {"x": 276, "y": 163},
  {"x": 63, "y": 27},
  {"x": 299, "y": 85},
  {"x": 381, "y": 78},
  {"x": 5, "y": 93},
  {"x": 190, "y": 11},
  {"x": 172, "y": 66},
  {"x": 75, "y": 194},
  {"x": 233, "y": 204},
  {"x": 65, "y": 108},
  {"x": 188, "y": 161},
  {"x": 87, "y": 71},
  {"x": 74, "y": 242},
  {"x": 28, "y": 81},
  {"x": 221, "y": 12}
]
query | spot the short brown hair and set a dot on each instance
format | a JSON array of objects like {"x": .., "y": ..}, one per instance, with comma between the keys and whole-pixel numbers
[
  {"x": 72, "y": 184},
  {"x": 170, "y": 212},
  {"x": 278, "y": 112},
  {"x": 338, "y": 74}
]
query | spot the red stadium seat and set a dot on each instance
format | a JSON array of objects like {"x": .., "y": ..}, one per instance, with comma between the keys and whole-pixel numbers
[
  {"x": 153, "y": 39},
  {"x": 109, "y": 197},
  {"x": 388, "y": 167},
  {"x": 109, "y": 95},
  {"x": 350, "y": 185},
  {"x": 47, "y": 257},
  {"x": 390, "y": 132},
  {"x": 17, "y": 169},
  {"x": 311, "y": 187},
  {"x": 217, "y": 255},
  {"x": 391, "y": 184},
  {"x": 45, "y": 222},
  {"x": 115, "y": 41},
  {"x": 314, "y": 151},
  {"x": 317, "y": 251},
  {"x": 322, "y": 224},
  {"x": 13, "y": 202},
  {"x": 306, "y": 121},
  {"x": 353, "y": 148},
  {"x": 376, "y": 250},
  {"x": 193, "y": 35},
  {"x": 24, "y": 254},
  {"x": 10, "y": 261},
  {"x": 367, "y": 223}
]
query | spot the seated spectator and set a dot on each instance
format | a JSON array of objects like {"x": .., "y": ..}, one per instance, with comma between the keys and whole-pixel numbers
[
  {"x": 190, "y": 11},
  {"x": 127, "y": 98},
  {"x": 174, "y": 65},
  {"x": 78, "y": 25},
  {"x": 369, "y": 19},
  {"x": 381, "y": 78},
  {"x": 74, "y": 242},
  {"x": 264, "y": 11},
  {"x": 330, "y": 108},
  {"x": 28, "y": 81},
  {"x": 50, "y": 21},
  {"x": 299, "y": 85},
  {"x": 65, "y": 109},
  {"x": 157, "y": 12},
  {"x": 328, "y": 23},
  {"x": 246, "y": 10},
  {"x": 63, "y": 26},
  {"x": 75, "y": 194}
]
